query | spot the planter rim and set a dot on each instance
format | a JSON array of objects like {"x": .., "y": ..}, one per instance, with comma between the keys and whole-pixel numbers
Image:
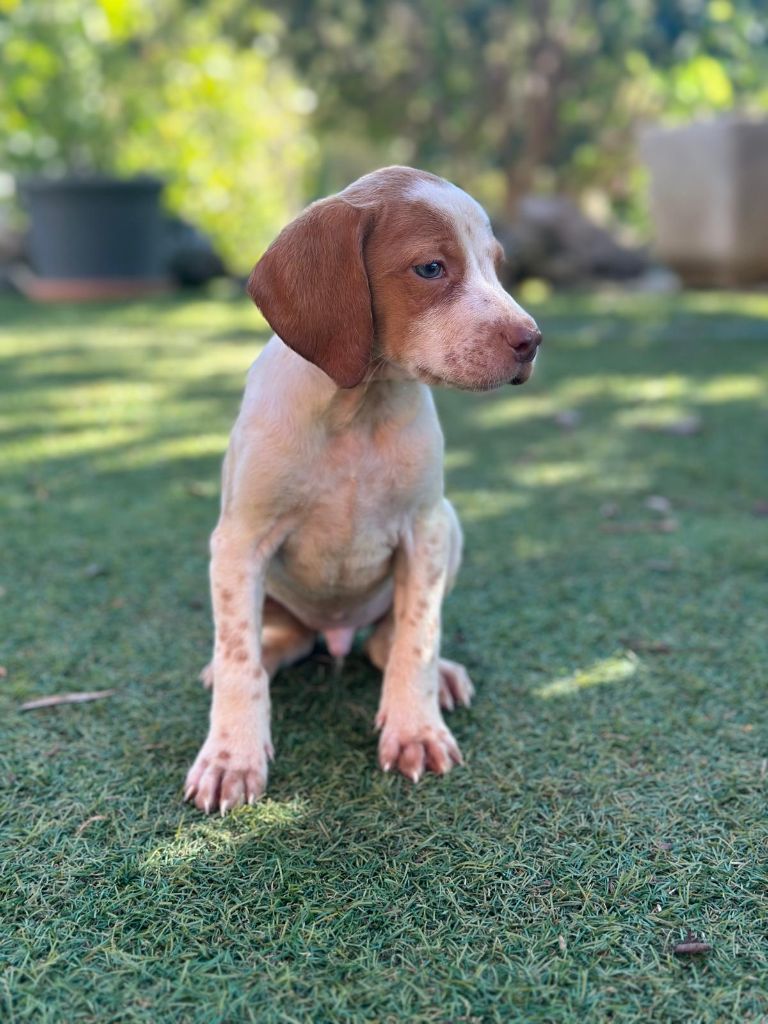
[{"x": 86, "y": 182}]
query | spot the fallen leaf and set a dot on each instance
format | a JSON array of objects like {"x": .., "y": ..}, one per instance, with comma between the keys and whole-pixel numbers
[
  {"x": 562, "y": 943},
  {"x": 3, "y": 671},
  {"x": 95, "y": 569},
  {"x": 201, "y": 488},
  {"x": 568, "y": 419},
  {"x": 609, "y": 510},
  {"x": 66, "y": 698},
  {"x": 651, "y": 646},
  {"x": 691, "y": 947},
  {"x": 668, "y": 525},
  {"x": 685, "y": 426},
  {"x": 89, "y": 821},
  {"x": 658, "y": 503},
  {"x": 760, "y": 509}
]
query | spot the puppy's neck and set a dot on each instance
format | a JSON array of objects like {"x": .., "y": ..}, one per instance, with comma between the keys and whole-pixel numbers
[{"x": 371, "y": 404}]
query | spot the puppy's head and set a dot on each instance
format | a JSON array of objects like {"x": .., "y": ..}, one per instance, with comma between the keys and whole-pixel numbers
[{"x": 396, "y": 274}]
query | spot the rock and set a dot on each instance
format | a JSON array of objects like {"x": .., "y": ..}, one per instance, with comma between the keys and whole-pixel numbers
[{"x": 552, "y": 239}]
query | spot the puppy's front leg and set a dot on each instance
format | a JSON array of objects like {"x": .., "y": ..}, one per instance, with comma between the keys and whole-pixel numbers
[
  {"x": 231, "y": 767},
  {"x": 414, "y": 736}
]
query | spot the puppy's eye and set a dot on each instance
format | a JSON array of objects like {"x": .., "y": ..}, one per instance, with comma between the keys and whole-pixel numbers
[{"x": 430, "y": 270}]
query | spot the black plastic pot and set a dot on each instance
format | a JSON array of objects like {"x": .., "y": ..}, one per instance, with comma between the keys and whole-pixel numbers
[{"x": 94, "y": 237}]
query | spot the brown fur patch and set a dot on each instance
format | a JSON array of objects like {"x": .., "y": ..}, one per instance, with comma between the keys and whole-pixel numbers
[{"x": 312, "y": 287}]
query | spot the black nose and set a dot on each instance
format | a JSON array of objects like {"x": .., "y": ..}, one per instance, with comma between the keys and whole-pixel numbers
[{"x": 525, "y": 341}]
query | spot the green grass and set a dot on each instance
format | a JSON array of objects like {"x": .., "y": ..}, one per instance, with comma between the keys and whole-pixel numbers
[{"x": 614, "y": 795}]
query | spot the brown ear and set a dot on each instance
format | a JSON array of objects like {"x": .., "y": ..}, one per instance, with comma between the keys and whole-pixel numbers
[{"x": 312, "y": 287}]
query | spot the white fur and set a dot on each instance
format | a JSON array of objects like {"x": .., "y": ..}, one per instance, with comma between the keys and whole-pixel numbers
[{"x": 333, "y": 507}]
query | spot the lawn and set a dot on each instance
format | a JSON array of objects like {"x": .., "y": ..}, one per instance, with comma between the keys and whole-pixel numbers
[{"x": 614, "y": 793}]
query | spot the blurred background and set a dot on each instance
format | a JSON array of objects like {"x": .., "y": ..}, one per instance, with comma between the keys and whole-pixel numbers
[
  {"x": 612, "y": 599},
  {"x": 621, "y": 140}
]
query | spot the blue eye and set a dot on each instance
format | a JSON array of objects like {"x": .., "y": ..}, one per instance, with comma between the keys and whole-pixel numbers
[{"x": 430, "y": 271}]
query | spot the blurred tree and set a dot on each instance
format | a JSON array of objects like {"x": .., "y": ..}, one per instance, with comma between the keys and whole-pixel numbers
[
  {"x": 525, "y": 93},
  {"x": 159, "y": 86}
]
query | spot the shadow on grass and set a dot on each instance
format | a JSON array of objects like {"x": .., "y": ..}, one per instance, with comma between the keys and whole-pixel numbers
[{"x": 539, "y": 560}]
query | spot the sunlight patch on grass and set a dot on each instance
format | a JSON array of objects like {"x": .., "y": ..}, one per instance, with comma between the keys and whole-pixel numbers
[
  {"x": 552, "y": 474},
  {"x": 43, "y": 447},
  {"x": 656, "y": 417},
  {"x": 734, "y": 388},
  {"x": 216, "y": 835},
  {"x": 152, "y": 453},
  {"x": 514, "y": 410},
  {"x": 484, "y": 504},
  {"x": 458, "y": 458},
  {"x": 616, "y": 669}
]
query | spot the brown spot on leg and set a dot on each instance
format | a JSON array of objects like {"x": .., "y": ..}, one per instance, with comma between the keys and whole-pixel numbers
[{"x": 224, "y": 755}]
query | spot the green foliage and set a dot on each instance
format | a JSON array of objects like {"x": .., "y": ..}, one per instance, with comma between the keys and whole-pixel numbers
[
  {"x": 122, "y": 86},
  {"x": 614, "y": 794},
  {"x": 246, "y": 107},
  {"x": 523, "y": 94}
]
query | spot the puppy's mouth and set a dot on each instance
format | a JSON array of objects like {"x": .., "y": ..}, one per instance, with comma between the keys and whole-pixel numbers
[
  {"x": 524, "y": 371},
  {"x": 427, "y": 377}
]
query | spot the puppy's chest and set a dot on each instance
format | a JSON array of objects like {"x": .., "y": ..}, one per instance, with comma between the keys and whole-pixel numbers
[{"x": 354, "y": 510}]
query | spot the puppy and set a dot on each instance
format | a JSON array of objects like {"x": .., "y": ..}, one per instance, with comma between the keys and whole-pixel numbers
[{"x": 333, "y": 517}]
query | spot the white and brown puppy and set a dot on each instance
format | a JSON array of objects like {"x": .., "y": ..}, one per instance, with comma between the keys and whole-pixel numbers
[{"x": 333, "y": 516}]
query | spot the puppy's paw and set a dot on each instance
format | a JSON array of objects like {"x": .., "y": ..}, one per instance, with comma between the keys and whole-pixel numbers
[
  {"x": 206, "y": 676},
  {"x": 225, "y": 776},
  {"x": 413, "y": 748},
  {"x": 455, "y": 685}
]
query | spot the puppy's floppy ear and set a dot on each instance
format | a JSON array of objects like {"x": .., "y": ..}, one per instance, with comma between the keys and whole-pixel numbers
[{"x": 312, "y": 287}]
